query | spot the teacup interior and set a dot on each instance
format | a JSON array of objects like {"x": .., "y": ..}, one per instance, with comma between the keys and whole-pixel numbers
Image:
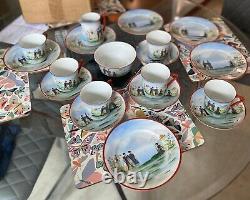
[
  {"x": 115, "y": 55},
  {"x": 64, "y": 67},
  {"x": 91, "y": 16},
  {"x": 96, "y": 93},
  {"x": 158, "y": 37},
  {"x": 220, "y": 91},
  {"x": 155, "y": 72},
  {"x": 32, "y": 40}
]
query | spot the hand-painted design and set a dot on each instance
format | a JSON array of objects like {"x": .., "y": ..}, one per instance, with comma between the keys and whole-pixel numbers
[
  {"x": 139, "y": 94},
  {"x": 226, "y": 36},
  {"x": 218, "y": 60},
  {"x": 140, "y": 21},
  {"x": 74, "y": 40},
  {"x": 126, "y": 146},
  {"x": 142, "y": 53},
  {"x": 51, "y": 91},
  {"x": 14, "y": 95},
  {"x": 194, "y": 30},
  {"x": 211, "y": 116},
  {"x": 15, "y": 60},
  {"x": 89, "y": 145},
  {"x": 87, "y": 121}
]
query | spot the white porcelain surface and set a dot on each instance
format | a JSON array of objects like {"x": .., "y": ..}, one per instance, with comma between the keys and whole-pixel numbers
[
  {"x": 91, "y": 29},
  {"x": 33, "y": 47},
  {"x": 158, "y": 44},
  {"x": 218, "y": 96},
  {"x": 115, "y": 58},
  {"x": 97, "y": 95},
  {"x": 65, "y": 73}
]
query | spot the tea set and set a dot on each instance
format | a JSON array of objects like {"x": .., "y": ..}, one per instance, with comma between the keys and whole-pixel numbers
[
  {"x": 154, "y": 87},
  {"x": 97, "y": 107},
  {"x": 64, "y": 80},
  {"x": 33, "y": 53},
  {"x": 157, "y": 48},
  {"x": 87, "y": 37},
  {"x": 218, "y": 105}
]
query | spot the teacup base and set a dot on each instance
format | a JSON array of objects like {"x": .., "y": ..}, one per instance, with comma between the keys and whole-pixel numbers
[{"x": 226, "y": 121}]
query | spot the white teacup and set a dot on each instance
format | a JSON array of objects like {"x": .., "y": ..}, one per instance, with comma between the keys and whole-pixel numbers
[
  {"x": 97, "y": 95},
  {"x": 115, "y": 58},
  {"x": 219, "y": 95},
  {"x": 92, "y": 29},
  {"x": 155, "y": 79},
  {"x": 33, "y": 48},
  {"x": 158, "y": 44},
  {"x": 65, "y": 73}
]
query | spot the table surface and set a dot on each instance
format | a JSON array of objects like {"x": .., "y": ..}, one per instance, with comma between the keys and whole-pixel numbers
[{"x": 204, "y": 171}]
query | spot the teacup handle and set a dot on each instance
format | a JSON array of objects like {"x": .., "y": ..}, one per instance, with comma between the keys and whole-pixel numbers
[
  {"x": 80, "y": 65},
  {"x": 174, "y": 78},
  {"x": 103, "y": 21},
  {"x": 241, "y": 99}
]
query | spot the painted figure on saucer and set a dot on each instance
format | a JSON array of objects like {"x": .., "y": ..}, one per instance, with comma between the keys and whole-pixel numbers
[{"x": 143, "y": 146}]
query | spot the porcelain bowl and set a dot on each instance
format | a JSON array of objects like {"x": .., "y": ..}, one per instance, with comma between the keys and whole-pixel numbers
[{"x": 115, "y": 58}]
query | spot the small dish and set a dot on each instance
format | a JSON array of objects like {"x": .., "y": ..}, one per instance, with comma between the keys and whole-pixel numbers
[
  {"x": 142, "y": 54},
  {"x": 50, "y": 89},
  {"x": 74, "y": 40},
  {"x": 234, "y": 117},
  {"x": 194, "y": 30},
  {"x": 81, "y": 117},
  {"x": 14, "y": 58},
  {"x": 140, "y": 21},
  {"x": 142, "y": 146},
  {"x": 136, "y": 92},
  {"x": 218, "y": 60}
]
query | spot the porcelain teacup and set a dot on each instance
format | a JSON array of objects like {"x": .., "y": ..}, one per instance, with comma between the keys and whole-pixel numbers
[
  {"x": 155, "y": 79},
  {"x": 92, "y": 29},
  {"x": 219, "y": 97},
  {"x": 33, "y": 48},
  {"x": 115, "y": 58},
  {"x": 97, "y": 96},
  {"x": 65, "y": 74},
  {"x": 158, "y": 44}
]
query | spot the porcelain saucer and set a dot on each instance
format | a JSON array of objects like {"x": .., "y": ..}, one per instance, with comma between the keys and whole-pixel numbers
[
  {"x": 142, "y": 146},
  {"x": 140, "y": 21},
  {"x": 49, "y": 87},
  {"x": 142, "y": 54},
  {"x": 233, "y": 118},
  {"x": 14, "y": 55},
  {"x": 74, "y": 40},
  {"x": 218, "y": 60},
  {"x": 85, "y": 122},
  {"x": 136, "y": 92},
  {"x": 194, "y": 30}
]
